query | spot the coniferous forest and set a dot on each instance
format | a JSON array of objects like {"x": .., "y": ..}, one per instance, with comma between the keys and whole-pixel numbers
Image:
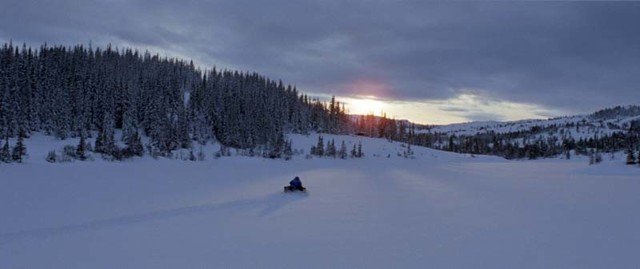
[
  {"x": 90, "y": 92},
  {"x": 84, "y": 92}
]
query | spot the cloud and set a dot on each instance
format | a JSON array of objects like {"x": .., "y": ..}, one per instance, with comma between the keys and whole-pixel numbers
[
  {"x": 567, "y": 56},
  {"x": 467, "y": 107}
]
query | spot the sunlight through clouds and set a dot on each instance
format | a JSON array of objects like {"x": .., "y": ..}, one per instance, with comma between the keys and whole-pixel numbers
[
  {"x": 365, "y": 105},
  {"x": 464, "y": 107}
]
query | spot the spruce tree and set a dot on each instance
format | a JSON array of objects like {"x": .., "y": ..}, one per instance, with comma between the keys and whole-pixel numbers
[
  {"x": 134, "y": 146},
  {"x": 320, "y": 146},
  {"x": 105, "y": 142},
  {"x": 631, "y": 158},
  {"x": 81, "y": 149},
  {"x": 19, "y": 150},
  {"x": 331, "y": 149},
  {"x": 5, "y": 153},
  {"x": 343, "y": 151},
  {"x": 313, "y": 150}
]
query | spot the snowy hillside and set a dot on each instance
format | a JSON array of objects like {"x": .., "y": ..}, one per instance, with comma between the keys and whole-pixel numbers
[
  {"x": 437, "y": 210},
  {"x": 584, "y": 126},
  {"x": 608, "y": 130}
]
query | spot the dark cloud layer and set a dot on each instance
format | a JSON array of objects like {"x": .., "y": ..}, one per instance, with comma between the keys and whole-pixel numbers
[{"x": 574, "y": 56}]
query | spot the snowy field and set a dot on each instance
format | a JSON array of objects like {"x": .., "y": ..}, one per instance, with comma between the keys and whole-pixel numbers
[{"x": 439, "y": 210}]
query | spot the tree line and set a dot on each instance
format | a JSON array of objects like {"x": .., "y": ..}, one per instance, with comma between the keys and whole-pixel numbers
[
  {"x": 90, "y": 92},
  {"x": 536, "y": 142}
]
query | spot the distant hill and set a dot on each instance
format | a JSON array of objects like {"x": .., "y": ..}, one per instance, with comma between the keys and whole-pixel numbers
[{"x": 607, "y": 130}]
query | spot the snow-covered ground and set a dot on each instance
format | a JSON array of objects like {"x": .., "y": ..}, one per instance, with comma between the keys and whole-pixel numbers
[
  {"x": 589, "y": 126},
  {"x": 438, "y": 210}
]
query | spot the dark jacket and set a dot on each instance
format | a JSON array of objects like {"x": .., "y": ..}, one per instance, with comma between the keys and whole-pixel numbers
[{"x": 296, "y": 183}]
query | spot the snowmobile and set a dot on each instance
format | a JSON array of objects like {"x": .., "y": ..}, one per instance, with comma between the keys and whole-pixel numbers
[
  {"x": 294, "y": 189},
  {"x": 295, "y": 185}
]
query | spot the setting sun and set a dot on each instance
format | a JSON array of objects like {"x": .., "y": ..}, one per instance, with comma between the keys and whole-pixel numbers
[{"x": 365, "y": 105}]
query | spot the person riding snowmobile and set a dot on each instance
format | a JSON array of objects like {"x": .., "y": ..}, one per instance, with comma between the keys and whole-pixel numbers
[{"x": 296, "y": 184}]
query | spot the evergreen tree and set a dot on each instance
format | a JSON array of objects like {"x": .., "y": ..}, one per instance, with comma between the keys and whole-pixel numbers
[
  {"x": 134, "y": 146},
  {"x": 319, "y": 150},
  {"x": 105, "y": 142},
  {"x": 313, "y": 150},
  {"x": 360, "y": 154},
  {"x": 81, "y": 149},
  {"x": 5, "y": 153},
  {"x": 331, "y": 149},
  {"x": 354, "y": 152},
  {"x": 631, "y": 158},
  {"x": 277, "y": 148},
  {"x": 19, "y": 150},
  {"x": 343, "y": 151},
  {"x": 183, "y": 130}
]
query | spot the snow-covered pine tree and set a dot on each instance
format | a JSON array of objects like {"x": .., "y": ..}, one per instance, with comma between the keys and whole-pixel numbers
[
  {"x": 342, "y": 153},
  {"x": 319, "y": 149},
  {"x": 129, "y": 119},
  {"x": 354, "y": 152},
  {"x": 134, "y": 146},
  {"x": 631, "y": 157},
  {"x": 81, "y": 148},
  {"x": 105, "y": 142},
  {"x": 5, "y": 153},
  {"x": 277, "y": 148},
  {"x": 313, "y": 150},
  {"x": 19, "y": 150},
  {"x": 6, "y": 112},
  {"x": 183, "y": 137},
  {"x": 331, "y": 149}
]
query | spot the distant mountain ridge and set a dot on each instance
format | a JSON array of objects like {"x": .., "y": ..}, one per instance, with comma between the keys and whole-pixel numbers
[
  {"x": 604, "y": 121},
  {"x": 607, "y": 130}
]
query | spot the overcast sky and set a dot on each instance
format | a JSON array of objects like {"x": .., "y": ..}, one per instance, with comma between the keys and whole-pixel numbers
[{"x": 431, "y": 62}]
